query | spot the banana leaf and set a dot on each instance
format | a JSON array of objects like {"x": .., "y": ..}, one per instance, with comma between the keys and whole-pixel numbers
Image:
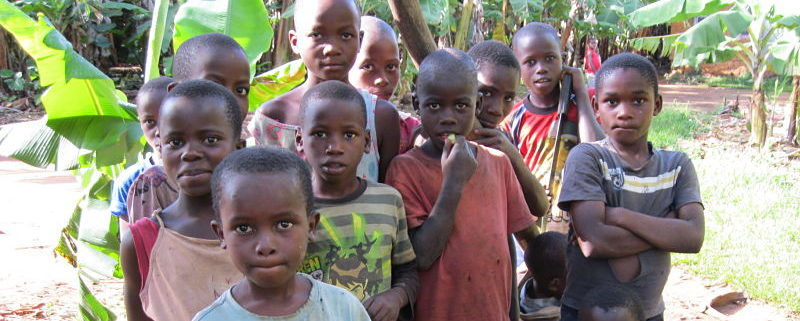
[
  {"x": 155, "y": 40},
  {"x": 38, "y": 145},
  {"x": 246, "y": 21},
  {"x": 276, "y": 82},
  {"x": 675, "y": 10}
]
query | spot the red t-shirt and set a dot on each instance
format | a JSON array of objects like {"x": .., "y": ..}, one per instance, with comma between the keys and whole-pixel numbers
[
  {"x": 471, "y": 279},
  {"x": 593, "y": 57}
]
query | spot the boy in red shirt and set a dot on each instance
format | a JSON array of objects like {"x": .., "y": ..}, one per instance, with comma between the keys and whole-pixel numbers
[
  {"x": 532, "y": 122},
  {"x": 462, "y": 200}
]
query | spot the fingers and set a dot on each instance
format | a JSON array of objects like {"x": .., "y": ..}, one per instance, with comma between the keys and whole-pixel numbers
[{"x": 485, "y": 132}]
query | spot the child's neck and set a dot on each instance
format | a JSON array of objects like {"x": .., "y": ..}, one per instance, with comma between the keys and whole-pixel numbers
[
  {"x": 636, "y": 154},
  {"x": 314, "y": 80},
  {"x": 335, "y": 190},
  {"x": 276, "y": 301},
  {"x": 191, "y": 216},
  {"x": 546, "y": 101}
]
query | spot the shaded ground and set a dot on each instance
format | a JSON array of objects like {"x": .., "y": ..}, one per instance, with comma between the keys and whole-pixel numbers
[{"x": 707, "y": 99}]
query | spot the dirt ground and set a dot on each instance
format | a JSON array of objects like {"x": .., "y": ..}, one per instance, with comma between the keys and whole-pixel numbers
[{"x": 36, "y": 285}]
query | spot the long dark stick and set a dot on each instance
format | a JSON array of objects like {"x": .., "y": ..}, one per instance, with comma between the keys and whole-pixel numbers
[{"x": 563, "y": 104}]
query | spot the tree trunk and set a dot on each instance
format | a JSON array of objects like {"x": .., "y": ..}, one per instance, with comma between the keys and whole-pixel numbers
[
  {"x": 792, "y": 114},
  {"x": 462, "y": 34},
  {"x": 4, "y": 52},
  {"x": 283, "y": 53},
  {"x": 758, "y": 118},
  {"x": 413, "y": 29}
]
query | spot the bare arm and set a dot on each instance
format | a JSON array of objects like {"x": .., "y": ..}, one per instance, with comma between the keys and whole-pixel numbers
[
  {"x": 682, "y": 234},
  {"x": 133, "y": 280},
  {"x": 598, "y": 239},
  {"x": 535, "y": 195},
  {"x": 589, "y": 129},
  {"x": 387, "y": 126},
  {"x": 526, "y": 236}
]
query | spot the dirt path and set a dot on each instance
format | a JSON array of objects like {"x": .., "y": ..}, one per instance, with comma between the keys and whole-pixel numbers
[{"x": 707, "y": 99}]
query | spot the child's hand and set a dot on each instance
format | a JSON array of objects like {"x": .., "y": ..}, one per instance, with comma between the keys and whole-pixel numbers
[
  {"x": 458, "y": 160},
  {"x": 578, "y": 84},
  {"x": 494, "y": 138},
  {"x": 385, "y": 306}
]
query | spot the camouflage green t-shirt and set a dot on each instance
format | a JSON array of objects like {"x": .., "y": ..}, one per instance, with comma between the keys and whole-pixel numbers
[{"x": 359, "y": 239}]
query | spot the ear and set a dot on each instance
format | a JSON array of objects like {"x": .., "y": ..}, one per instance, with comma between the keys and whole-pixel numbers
[
  {"x": 360, "y": 38},
  {"x": 313, "y": 220},
  {"x": 217, "y": 228},
  {"x": 479, "y": 104},
  {"x": 414, "y": 101},
  {"x": 367, "y": 140},
  {"x": 298, "y": 140},
  {"x": 171, "y": 85},
  {"x": 241, "y": 144},
  {"x": 556, "y": 286},
  {"x": 293, "y": 41},
  {"x": 595, "y": 105},
  {"x": 659, "y": 104}
]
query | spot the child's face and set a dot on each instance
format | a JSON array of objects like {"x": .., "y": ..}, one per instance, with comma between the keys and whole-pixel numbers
[
  {"x": 539, "y": 57},
  {"x": 230, "y": 69},
  {"x": 593, "y": 43},
  {"x": 626, "y": 103},
  {"x": 613, "y": 314},
  {"x": 333, "y": 138},
  {"x": 195, "y": 136},
  {"x": 377, "y": 67},
  {"x": 497, "y": 85},
  {"x": 327, "y": 38},
  {"x": 446, "y": 107},
  {"x": 148, "y": 105},
  {"x": 266, "y": 243}
]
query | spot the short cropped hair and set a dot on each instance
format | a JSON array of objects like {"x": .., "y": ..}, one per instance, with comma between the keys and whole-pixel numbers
[
  {"x": 260, "y": 160},
  {"x": 159, "y": 83},
  {"x": 546, "y": 255},
  {"x": 610, "y": 296},
  {"x": 536, "y": 28},
  {"x": 493, "y": 52},
  {"x": 627, "y": 60},
  {"x": 332, "y": 89},
  {"x": 185, "y": 60},
  {"x": 206, "y": 89},
  {"x": 450, "y": 63}
]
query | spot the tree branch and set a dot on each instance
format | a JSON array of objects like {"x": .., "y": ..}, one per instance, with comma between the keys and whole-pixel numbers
[{"x": 414, "y": 30}]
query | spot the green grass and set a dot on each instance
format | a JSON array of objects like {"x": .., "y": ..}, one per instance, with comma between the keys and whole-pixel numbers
[
  {"x": 752, "y": 214},
  {"x": 746, "y": 82}
]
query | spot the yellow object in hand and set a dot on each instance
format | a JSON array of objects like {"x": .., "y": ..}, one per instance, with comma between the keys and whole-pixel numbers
[{"x": 452, "y": 138}]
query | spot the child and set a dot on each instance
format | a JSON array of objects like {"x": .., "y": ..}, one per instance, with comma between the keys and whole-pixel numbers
[
  {"x": 591, "y": 61},
  {"x": 611, "y": 303},
  {"x": 532, "y": 123},
  {"x": 172, "y": 262},
  {"x": 327, "y": 39},
  {"x": 363, "y": 245},
  {"x": 377, "y": 70},
  {"x": 148, "y": 102},
  {"x": 267, "y": 243},
  {"x": 540, "y": 295},
  {"x": 462, "y": 200},
  {"x": 631, "y": 204},
  {"x": 215, "y": 57}
]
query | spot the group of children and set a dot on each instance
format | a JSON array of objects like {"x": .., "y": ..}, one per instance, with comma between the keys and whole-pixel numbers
[{"x": 341, "y": 216}]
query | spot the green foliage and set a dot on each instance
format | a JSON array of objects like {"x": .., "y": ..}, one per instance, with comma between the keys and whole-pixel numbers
[
  {"x": 675, "y": 10},
  {"x": 156, "y": 39},
  {"x": 246, "y": 21},
  {"x": 276, "y": 82},
  {"x": 673, "y": 124}
]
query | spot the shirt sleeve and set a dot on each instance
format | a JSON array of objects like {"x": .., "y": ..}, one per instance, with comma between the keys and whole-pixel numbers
[
  {"x": 399, "y": 177},
  {"x": 119, "y": 196},
  {"x": 519, "y": 216},
  {"x": 582, "y": 179},
  {"x": 402, "y": 251},
  {"x": 687, "y": 187}
]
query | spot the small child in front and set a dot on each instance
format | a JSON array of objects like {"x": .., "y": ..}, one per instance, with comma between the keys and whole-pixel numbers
[
  {"x": 362, "y": 245},
  {"x": 462, "y": 200},
  {"x": 267, "y": 243},
  {"x": 631, "y": 204},
  {"x": 377, "y": 70},
  {"x": 172, "y": 262},
  {"x": 540, "y": 295}
]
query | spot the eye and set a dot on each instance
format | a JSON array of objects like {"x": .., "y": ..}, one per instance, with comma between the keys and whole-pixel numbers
[
  {"x": 149, "y": 122},
  {"x": 350, "y": 135},
  {"x": 175, "y": 142},
  {"x": 368, "y": 67},
  {"x": 461, "y": 106},
  {"x": 318, "y": 134},
  {"x": 314, "y": 34},
  {"x": 347, "y": 36},
  {"x": 243, "y": 229},
  {"x": 243, "y": 90},
  {"x": 211, "y": 139},
  {"x": 284, "y": 225},
  {"x": 638, "y": 101},
  {"x": 612, "y": 101},
  {"x": 485, "y": 93},
  {"x": 433, "y": 106},
  {"x": 508, "y": 99},
  {"x": 550, "y": 58},
  {"x": 391, "y": 67},
  {"x": 531, "y": 62}
]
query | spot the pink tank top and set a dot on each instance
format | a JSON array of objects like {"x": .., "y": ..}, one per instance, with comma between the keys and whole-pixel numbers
[{"x": 185, "y": 275}]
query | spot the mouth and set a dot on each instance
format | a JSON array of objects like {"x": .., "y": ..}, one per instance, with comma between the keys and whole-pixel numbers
[
  {"x": 542, "y": 81},
  {"x": 333, "y": 168},
  {"x": 624, "y": 128},
  {"x": 331, "y": 66},
  {"x": 193, "y": 172}
]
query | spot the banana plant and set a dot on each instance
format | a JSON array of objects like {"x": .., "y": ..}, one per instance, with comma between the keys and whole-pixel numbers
[{"x": 755, "y": 32}]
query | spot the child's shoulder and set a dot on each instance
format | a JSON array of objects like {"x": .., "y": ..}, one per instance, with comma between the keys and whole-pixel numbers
[
  {"x": 375, "y": 188},
  {"x": 280, "y": 107},
  {"x": 332, "y": 294}
]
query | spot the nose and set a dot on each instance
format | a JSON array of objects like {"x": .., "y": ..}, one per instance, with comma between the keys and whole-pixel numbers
[
  {"x": 329, "y": 49},
  {"x": 540, "y": 69},
  {"x": 625, "y": 111},
  {"x": 191, "y": 152},
  {"x": 381, "y": 81},
  {"x": 335, "y": 146},
  {"x": 447, "y": 117},
  {"x": 264, "y": 247}
]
